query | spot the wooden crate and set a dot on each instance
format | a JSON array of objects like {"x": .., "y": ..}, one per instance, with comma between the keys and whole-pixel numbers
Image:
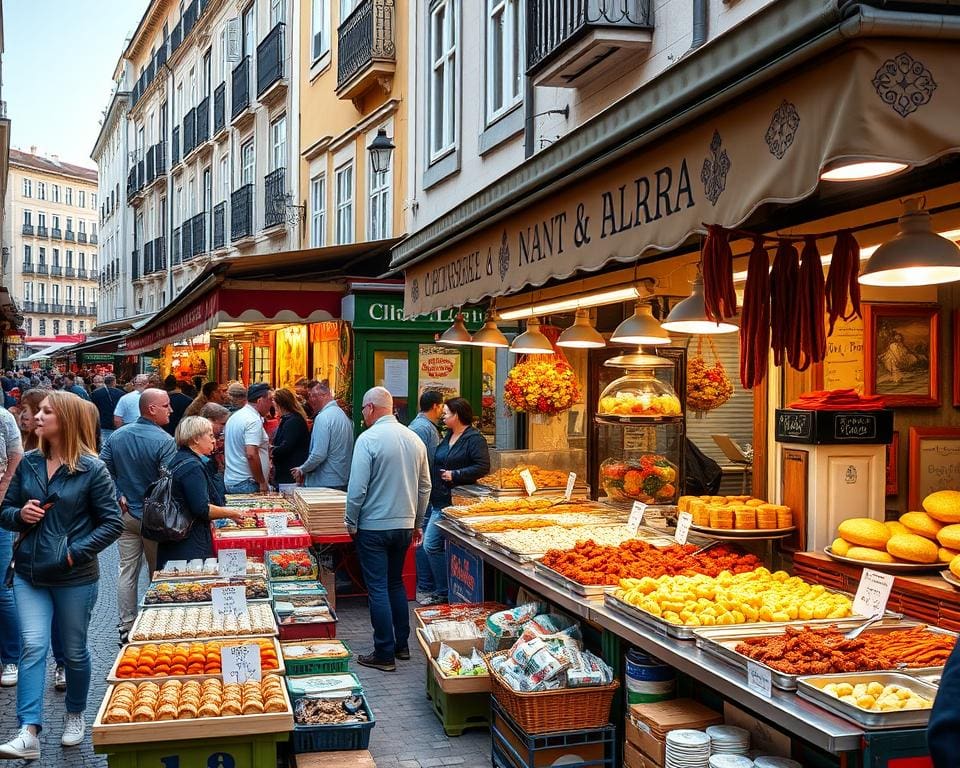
[{"x": 112, "y": 675}]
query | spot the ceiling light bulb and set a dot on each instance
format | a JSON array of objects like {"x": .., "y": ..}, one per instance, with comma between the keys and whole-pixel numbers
[
  {"x": 582, "y": 334},
  {"x": 531, "y": 341},
  {"x": 457, "y": 334},
  {"x": 690, "y": 315},
  {"x": 640, "y": 328},
  {"x": 861, "y": 170}
]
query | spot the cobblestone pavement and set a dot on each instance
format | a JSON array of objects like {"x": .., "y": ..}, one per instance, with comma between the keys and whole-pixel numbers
[{"x": 407, "y": 733}]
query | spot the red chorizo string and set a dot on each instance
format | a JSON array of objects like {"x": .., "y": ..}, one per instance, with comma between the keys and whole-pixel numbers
[
  {"x": 812, "y": 346},
  {"x": 719, "y": 296},
  {"x": 755, "y": 318},
  {"x": 783, "y": 293},
  {"x": 842, "y": 279}
]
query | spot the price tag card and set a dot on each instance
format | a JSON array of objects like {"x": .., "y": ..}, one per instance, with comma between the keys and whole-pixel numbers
[
  {"x": 240, "y": 663},
  {"x": 232, "y": 562},
  {"x": 873, "y": 593},
  {"x": 528, "y": 482},
  {"x": 683, "y": 528},
  {"x": 636, "y": 517},
  {"x": 571, "y": 481},
  {"x": 276, "y": 524},
  {"x": 759, "y": 679},
  {"x": 229, "y": 601}
]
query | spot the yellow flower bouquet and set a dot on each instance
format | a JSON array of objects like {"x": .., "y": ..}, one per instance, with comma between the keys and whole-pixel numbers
[{"x": 544, "y": 388}]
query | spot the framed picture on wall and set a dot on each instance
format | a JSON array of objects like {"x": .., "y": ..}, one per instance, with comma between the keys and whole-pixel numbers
[
  {"x": 934, "y": 462},
  {"x": 902, "y": 354},
  {"x": 893, "y": 465}
]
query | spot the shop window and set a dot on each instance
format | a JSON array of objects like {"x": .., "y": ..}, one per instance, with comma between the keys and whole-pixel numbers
[
  {"x": 442, "y": 107},
  {"x": 504, "y": 56}
]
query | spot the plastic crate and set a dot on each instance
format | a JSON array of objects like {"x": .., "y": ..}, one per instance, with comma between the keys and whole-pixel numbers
[
  {"x": 333, "y": 738},
  {"x": 318, "y": 666},
  {"x": 458, "y": 712},
  {"x": 315, "y": 630},
  {"x": 512, "y": 747}
]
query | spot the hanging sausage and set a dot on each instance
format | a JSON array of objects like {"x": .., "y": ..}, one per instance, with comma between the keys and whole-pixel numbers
[{"x": 755, "y": 318}]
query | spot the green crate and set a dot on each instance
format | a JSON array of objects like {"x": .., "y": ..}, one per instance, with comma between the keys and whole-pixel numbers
[
  {"x": 235, "y": 752},
  {"x": 318, "y": 666},
  {"x": 458, "y": 711}
]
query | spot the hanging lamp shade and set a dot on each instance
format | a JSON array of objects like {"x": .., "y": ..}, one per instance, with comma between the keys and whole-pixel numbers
[
  {"x": 858, "y": 169},
  {"x": 457, "y": 334},
  {"x": 641, "y": 328},
  {"x": 690, "y": 315},
  {"x": 582, "y": 334},
  {"x": 531, "y": 341},
  {"x": 490, "y": 335},
  {"x": 916, "y": 256}
]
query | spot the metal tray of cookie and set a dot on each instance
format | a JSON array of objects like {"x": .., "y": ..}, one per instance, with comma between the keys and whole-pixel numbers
[
  {"x": 557, "y": 579},
  {"x": 809, "y": 687},
  {"x": 721, "y": 642}
]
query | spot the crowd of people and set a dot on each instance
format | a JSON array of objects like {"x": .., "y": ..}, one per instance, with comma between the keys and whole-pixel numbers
[{"x": 78, "y": 464}]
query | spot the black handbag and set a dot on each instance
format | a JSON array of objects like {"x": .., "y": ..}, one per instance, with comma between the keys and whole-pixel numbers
[{"x": 163, "y": 519}]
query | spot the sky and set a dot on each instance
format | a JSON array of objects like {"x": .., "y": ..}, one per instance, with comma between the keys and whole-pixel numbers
[{"x": 58, "y": 62}]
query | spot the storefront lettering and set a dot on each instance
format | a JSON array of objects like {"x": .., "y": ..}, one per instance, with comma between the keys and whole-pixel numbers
[
  {"x": 543, "y": 240},
  {"x": 456, "y": 274},
  {"x": 391, "y": 311},
  {"x": 617, "y": 214},
  {"x": 460, "y": 570}
]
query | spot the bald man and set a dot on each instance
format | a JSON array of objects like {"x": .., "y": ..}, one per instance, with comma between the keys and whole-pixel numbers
[
  {"x": 127, "y": 409},
  {"x": 135, "y": 454}
]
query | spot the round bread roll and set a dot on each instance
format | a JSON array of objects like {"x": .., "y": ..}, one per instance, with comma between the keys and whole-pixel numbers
[
  {"x": 922, "y": 524},
  {"x": 870, "y": 555},
  {"x": 895, "y": 527},
  {"x": 913, "y": 548},
  {"x": 949, "y": 536},
  {"x": 943, "y": 506},
  {"x": 864, "y": 532},
  {"x": 946, "y": 555},
  {"x": 840, "y": 547},
  {"x": 955, "y": 566}
]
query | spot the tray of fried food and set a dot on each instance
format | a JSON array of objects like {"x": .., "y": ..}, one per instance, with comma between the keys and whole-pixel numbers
[
  {"x": 875, "y": 700},
  {"x": 483, "y": 524},
  {"x": 527, "y": 506}
]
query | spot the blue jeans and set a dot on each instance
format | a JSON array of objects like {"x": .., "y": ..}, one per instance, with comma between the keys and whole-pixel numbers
[
  {"x": 381, "y": 555},
  {"x": 247, "y": 486},
  {"x": 9, "y": 623},
  {"x": 435, "y": 546},
  {"x": 36, "y": 607},
  {"x": 425, "y": 582}
]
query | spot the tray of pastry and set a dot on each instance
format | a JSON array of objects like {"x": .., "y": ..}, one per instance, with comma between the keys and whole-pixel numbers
[
  {"x": 172, "y": 592},
  {"x": 875, "y": 700},
  {"x": 187, "y": 659},
  {"x": 135, "y": 712},
  {"x": 797, "y": 650},
  {"x": 201, "y": 623},
  {"x": 189, "y": 570}
]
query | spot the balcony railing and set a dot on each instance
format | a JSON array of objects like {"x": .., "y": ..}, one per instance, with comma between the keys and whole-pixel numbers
[
  {"x": 69, "y": 236},
  {"x": 159, "y": 159},
  {"x": 43, "y": 232},
  {"x": 219, "y": 108},
  {"x": 199, "y": 226},
  {"x": 43, "y": 307},
  {"x": 83, "y": 274},
  {"x": 175, "y": 147},
  {"x": 135, "y": 264},
  {"x": 219, "y": 225},
  {"x": 241, "y": 212},
  {"x": 189, "y": 132},
  {"x": 56, "y": 271},
  {"x": 41, "y": 269},
  {"x": 160, "y": 253},
  {"x": 69, "y": 307},
  {"x": 81, "y": 237},
  {"x": 274, "y": 203},
  {"x": 70, "y": 272},
  {"x": 151, "y": 166},
  {"x": 366, "y": 36},
  {"x": 186, "y": 237},
  {"x": 240, "y": 88},
  {"x": 93, "y": 239},
  {"x": 203, "y": 121},
  {"x": 27, "y": 268},
  {"x": 176, "y": 256},
  {"x": 176, "y": 37},
  {"x": 28, "y": 306},
  {"x": 270, "y": 59},
  {"x": 56, "y": 233},
  {"x": 56, "y": 309},
  {"x": 28, "y": 229}
]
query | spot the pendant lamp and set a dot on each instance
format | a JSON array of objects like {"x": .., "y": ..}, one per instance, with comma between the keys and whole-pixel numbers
[
  {"x": 690, "y": 315},
  {"x": 457, "y": 334},
  {"x": 581, "y": 335},
  {"x": 916, "y": 256},
  {"x": 861, "y": 170},
  {"x": 490, "y": 335},
  {"x": 641, "y": 328},
  {"x": 531, "y": 341}
]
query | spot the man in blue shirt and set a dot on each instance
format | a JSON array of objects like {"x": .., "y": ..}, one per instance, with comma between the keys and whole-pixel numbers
[
  {"x": 425, "y": 427},
  {"x": 331, "y": 443},
  {"x": 134, "y": 455}
]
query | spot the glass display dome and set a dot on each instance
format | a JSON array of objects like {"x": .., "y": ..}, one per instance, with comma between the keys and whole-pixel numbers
[{"x": 638, "y": 396}]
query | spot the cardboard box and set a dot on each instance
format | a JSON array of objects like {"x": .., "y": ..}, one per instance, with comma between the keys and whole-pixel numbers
[
  {"x": 645, "y": 742},
  {"x": 351, "y": 759},
  {"x": 328, "y": 578},
  {"x": 634, "y": 758}
]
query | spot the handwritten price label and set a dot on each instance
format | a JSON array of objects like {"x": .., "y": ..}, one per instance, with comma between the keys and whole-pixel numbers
[
  {"x": 872, "y": 593},
  {"x": 759, "y": 679},
  {"x": 229, "y": 601},
  {"x": 276, "y": 524},
  {"x": 683, "y": 528},
  {"x": 240, "y": 663},
  {"x": 571, "y": 481},
  {"x": 528, "y": 482},
  {"x": 232, "y": 562},
  {"x": 636, "y": 517}
]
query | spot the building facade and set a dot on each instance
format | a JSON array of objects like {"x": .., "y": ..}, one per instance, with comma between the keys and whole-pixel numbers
[{"x": 52, "y": 217}]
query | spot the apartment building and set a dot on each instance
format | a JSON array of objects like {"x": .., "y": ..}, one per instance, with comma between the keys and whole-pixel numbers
[{"x": 52, "y": 209}]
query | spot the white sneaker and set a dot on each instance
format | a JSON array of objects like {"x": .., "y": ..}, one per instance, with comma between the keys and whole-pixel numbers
[
  {"x": 24, "y": 745},
  {"x": 60, "y": 678},
  {"x": 9, "y": 676},
  {"x": 73, "y": 729}
]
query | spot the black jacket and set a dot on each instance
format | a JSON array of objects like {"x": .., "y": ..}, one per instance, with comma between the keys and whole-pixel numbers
[
  {"x": 468, "y": 459},
  {"x": 179, "y": 402},
  {"x": 106, "y": 399},
  {"x": 85, "y": 520},
  {"x": 943, "y": 730},
  {"x": 194, "y": 488},
  {"x": 291, "y": 446}
]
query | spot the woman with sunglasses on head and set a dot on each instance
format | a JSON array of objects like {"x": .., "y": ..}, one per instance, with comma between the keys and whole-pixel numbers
[{"x": 63, "y": 506}]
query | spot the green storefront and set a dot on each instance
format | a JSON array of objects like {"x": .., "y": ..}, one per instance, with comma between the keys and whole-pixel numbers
[{"x": 403, "y": 356}]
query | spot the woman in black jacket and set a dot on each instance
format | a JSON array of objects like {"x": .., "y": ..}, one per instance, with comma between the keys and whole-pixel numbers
[
  {"x": 63, "y": 505},
  {"x": 195, "y": 490},
  {"x": 291, "y": 442},
  {"x": 462, "y": 458}
]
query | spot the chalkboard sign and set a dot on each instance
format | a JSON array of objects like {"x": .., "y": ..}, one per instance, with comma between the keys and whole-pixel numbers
[
  {"x": 934, "y": 458},
  {"x": 833, "y": 427},
  {"x": 794, "y": 425},
  {"x": 855, "y": 426}
]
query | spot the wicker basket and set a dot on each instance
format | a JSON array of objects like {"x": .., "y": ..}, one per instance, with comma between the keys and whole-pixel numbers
[{"x": 565, "y": 709}]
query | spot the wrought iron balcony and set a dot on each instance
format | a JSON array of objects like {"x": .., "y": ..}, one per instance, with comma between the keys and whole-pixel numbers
[
  {"x": 43, "y": 307},
  {"x": 56, "y": 233},
  {"x": 27, "y": 268},
  {"x": 28, "y": 229},
  {"x": 151, "y": 166},
  {"x": 69, "y": 236},
  {"x": 41, "y": 269},
  {"x": 93, "y": 239},
  {"x": 81, "y": 237},
  {"x": 189, "y": 132},
  {"x": 70, "y": 272},
  {"x": 270, "y": 59},
  {"x": 366, "y": 48},
  {"x": 69, "y": 308},
  {"x": 176, "y": 256},
  {"x": 203, "y": 121},
  {"x": 219, "y": 108},
  {"x": 56, "y": 271},
  {"x": 219, "y": 225},
  {"x": 28, "y": 306},
  {"x": 160, "y": 252},
  {"x": 186, "y": 237},
  {"x": 82, "y": 273},
  {"x": 240, "y": 88},
  {"x": 56, "y": 309},
  {"x": 43, "y": 232},
  {"x": 159, "y": 160},
  {"x": 274, "y": 202},
  {"x": 199, "y": 226},
  {"x": 241, "y": 212},
  {"x": 175, "y": 148},
  {"x": 572, "y": 42}
]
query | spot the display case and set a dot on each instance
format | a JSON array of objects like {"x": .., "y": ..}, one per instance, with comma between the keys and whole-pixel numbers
[{"x": 549, "y": 469}]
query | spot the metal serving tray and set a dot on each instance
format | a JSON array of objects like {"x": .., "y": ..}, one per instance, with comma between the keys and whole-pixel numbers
[
  {"x": 574, "y": 587},
  {"x": 722, "y": 641},
  {"x": 517, "y": 557},
  {"x": 145, "y": 604},
  {"x": 809, "y": 689}
]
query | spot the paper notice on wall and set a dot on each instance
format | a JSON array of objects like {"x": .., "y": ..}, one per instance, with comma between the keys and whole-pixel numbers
[
  {"x": 439, "y": 370},
  {"x": 395, "y": 376}
]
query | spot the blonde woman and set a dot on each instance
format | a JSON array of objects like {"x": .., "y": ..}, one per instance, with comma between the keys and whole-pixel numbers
[{"x": 63, "y": 505}]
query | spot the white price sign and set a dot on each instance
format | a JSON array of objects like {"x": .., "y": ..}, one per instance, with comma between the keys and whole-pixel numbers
[
  {"x": 229, "y": 601},
  {"x": 636, "y": 517},
  {"x": 759, "y": 679},
  {"x": 872, "y": 593},
  {"x": 528, "y": 482},
  {"x": 571, "y": 481},
  {"x": 684, "y": 520},
  {"x": 240, "y": 663},
  {"x": 232, "y": 562},
  {"x": 276, "y": 524}
]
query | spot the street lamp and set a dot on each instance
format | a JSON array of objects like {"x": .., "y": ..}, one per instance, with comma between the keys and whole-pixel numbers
[{"x": 380, "y": 149}]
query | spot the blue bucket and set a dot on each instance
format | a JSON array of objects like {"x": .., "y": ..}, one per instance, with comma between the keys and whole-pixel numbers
[{"x": 648, "y": 679}]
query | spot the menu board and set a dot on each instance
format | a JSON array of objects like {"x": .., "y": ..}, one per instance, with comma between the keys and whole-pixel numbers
[
  {"x": 934, "y": 462},
  {"x": 843, "y": 365}
]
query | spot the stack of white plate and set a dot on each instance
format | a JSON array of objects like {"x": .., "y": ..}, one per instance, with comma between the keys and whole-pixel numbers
[
  {"x": 728, "y": 740},
  {"x": 776, "y": 762},
  {"x": 730, "y": 761},
  {"x": 687, "y": 749}
]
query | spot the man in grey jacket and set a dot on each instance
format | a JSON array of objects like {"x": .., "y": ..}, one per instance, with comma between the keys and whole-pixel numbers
[
  {"x": 134, "y": 455},
  {"x": 387, "y": 497}
]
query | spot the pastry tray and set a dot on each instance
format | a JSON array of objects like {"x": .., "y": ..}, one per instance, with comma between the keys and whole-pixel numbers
[
  {"x": 261, "y": 572},
  {"x": 112, "y": 676},
  {"x": 144, "y": 604},
  {"x": 743, "y": 534},
  {"x": 140, "y": 615},
  {"x": 720, "y": 642},
  {"x": 807, "y": 688},
  {"x": 193, "y": 728},
  {"x": 948, "y": 577},
  {"x": 886, "y": 567},
  {"x": 574, "y": 587},
  {"x": 517, "y": 557}
]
